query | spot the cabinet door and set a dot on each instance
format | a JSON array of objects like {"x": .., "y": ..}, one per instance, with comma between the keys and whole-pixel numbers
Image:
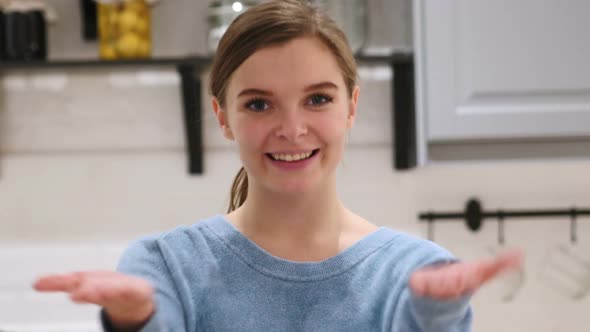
[{"x": 503, "y": 69}]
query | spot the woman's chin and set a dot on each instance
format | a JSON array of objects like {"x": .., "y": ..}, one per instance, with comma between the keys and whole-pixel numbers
[{"x": 292, "y": 187}]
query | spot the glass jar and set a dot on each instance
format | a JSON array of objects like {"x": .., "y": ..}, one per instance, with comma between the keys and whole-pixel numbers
[
  {"x": 23, "y": 30},
  {"x": 221, "y": 15},
  {"x": 124, "y": 29},
  {"x": 351, "y": 16}
]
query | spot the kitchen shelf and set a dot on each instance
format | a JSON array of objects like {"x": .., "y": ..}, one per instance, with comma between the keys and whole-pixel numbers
[
  {"x": 40, "y": 64},
  {"x": 190, "y": 68}
]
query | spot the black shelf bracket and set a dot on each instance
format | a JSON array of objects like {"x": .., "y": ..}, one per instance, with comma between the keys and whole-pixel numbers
[
  {"x": 191, "y": 101},
  {"x": 474, "y": 216},
  {"x": 403, "y": 107}
]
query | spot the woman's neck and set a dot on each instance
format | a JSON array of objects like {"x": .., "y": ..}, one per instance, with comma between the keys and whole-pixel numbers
[{"x": 305, "y": 226}]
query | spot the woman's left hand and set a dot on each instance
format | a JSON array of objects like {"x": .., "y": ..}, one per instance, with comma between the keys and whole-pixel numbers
[{"x": 453, "y": 280}]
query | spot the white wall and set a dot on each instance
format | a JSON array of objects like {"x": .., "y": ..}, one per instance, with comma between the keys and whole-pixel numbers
[{"x": 90, "y": 159}]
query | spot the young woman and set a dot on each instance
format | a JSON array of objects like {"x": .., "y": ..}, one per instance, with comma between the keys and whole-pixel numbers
[{"x": 288, "y": 256}]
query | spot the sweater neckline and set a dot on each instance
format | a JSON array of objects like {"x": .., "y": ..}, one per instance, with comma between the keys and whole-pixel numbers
[{"x": 266, "y": 263}]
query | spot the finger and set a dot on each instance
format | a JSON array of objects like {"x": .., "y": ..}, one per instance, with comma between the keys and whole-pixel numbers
[
  {"x": 57, "y": 282},
  {"x": 451, "y": 283},
  {"x": 96, "y": 273},
  {"x": 417, "y": 283},
  {"x": 480, "y": 272},
  {"x": 457, "y": 279},
  {"x": 102, "y": 288},
  {"x": 125, "y": 289},
  {"x": 67, "y": 282},
  {"x": 426, "y": 281},
  {"x": 486, "y": 270},
  {"x": 112, "y": 289},
  {"x": 89, "y": 292},
  {"x": 446, "y": 282}
]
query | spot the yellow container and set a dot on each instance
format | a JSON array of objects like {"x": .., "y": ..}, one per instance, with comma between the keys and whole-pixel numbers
[{"x": 124, "y": 29}]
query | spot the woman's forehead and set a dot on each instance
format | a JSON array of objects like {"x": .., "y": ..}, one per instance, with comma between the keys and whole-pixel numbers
[{"x": 294, "y": 65}]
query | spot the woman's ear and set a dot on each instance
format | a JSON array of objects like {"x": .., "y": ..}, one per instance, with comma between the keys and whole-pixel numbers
[
  {"x": 352, "y": 107},
  {"x": 221, "y": 116}
]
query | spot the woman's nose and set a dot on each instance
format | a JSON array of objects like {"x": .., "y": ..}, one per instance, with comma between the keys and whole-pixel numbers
[{"x": 292, "y": 125}]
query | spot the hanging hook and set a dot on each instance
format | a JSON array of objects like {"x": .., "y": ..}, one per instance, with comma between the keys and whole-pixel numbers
[
  {"x": 573, "y": 225},
  {"x": 430, "y": 217},
  {"x": 501, "y": 227}
]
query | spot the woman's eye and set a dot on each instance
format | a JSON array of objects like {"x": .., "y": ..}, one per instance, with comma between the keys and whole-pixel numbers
[
  {"x": 318, "y": 100},
  {"x": 257, "y": 105}
]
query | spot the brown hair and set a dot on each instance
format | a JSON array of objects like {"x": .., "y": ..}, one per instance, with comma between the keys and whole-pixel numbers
[{"x": 272, "y": 23}]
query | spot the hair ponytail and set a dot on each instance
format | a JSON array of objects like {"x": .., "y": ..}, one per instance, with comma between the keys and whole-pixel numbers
[{"x": 239, "y": 190}]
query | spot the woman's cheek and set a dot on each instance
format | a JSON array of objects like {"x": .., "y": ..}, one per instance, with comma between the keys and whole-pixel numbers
[
  {"x": 250, "y": 134},
  {"x": 333, "y": 128}
]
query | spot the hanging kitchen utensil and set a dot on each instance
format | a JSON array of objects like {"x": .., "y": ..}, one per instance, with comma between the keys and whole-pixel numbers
[{"x": 566, "y": 268}]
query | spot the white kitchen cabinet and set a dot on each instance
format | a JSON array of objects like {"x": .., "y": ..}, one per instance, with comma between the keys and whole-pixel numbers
[{"x": 502, "y": 69}]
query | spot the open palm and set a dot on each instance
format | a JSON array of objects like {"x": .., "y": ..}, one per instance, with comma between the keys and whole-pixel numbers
[
  {"x": 128, "y": 300},
  {"x": 450, "y": 281}
]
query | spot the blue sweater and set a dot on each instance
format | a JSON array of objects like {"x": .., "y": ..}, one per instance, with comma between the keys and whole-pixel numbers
[{"x": 210, "y": 277}]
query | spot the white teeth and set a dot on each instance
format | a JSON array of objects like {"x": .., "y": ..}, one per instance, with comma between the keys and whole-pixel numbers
[{"x": 289, "y": 157}]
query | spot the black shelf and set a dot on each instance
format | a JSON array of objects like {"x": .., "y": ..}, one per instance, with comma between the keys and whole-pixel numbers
[
  {"x": 190, "y": 68},
  {"x": 36, "y": 64},
  {"x": 201, "y": 61}
]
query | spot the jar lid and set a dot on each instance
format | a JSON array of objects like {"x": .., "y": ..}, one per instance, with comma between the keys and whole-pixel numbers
[
  {"x": 218, "y": 8},
  {"x": 50, "y": 14},
  {"x": 108, "y": 2}
]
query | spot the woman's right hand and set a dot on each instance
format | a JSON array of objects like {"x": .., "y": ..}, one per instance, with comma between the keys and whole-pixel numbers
[{"x": 127, "y": 300}]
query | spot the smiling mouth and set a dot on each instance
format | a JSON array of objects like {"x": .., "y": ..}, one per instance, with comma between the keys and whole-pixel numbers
[{"x": 291, "y": 157}]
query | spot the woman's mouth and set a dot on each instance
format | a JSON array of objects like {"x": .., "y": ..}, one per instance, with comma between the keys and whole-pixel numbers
[{"x": 292, "y": 157}]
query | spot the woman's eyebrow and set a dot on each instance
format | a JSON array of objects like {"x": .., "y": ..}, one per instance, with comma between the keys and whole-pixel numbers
[
  {"x": 321, "y": 85},
  {"x": 316, "y": 86},
  {"x": 246, "y": 92}
]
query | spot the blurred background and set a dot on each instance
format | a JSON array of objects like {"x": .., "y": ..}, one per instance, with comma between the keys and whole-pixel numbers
[{"x": 103, "y": 138}]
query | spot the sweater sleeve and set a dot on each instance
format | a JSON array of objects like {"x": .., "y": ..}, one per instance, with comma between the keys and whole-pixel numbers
[{"x": 146, "y": 260}]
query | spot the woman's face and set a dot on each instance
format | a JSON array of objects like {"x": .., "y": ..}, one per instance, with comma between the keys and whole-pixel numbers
[{"x": 288, "y": 110}]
